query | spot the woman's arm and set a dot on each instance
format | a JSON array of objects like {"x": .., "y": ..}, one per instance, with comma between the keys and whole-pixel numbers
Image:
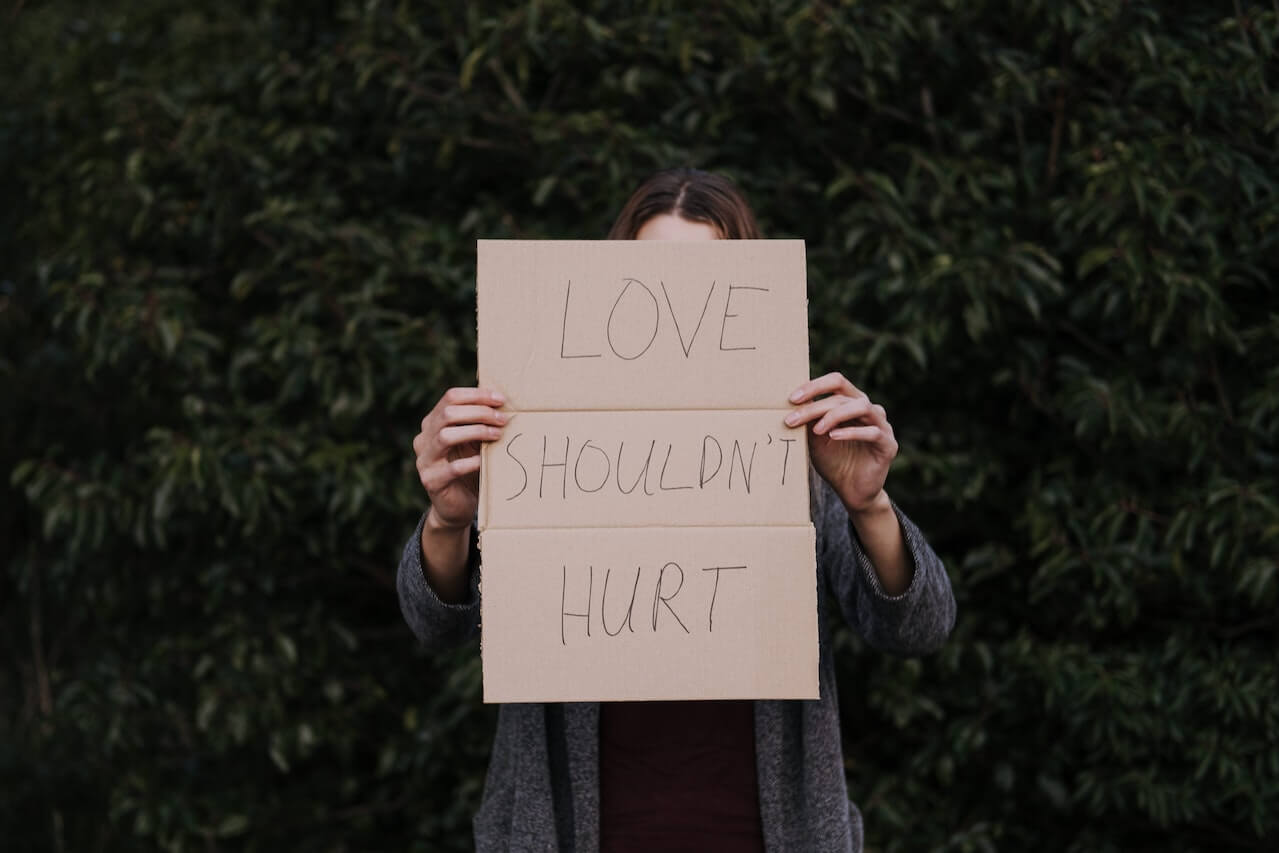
[
  {"x": 880, "y": 535},
  {"x": 437, "y": 584},
  {"x": 437, "y": 622},
  {"x": 911, "y": 621},
  {"x": 448, "y": 466},
  {"x": 888, "y": 581},
  {"x": 445, "y": 548}
]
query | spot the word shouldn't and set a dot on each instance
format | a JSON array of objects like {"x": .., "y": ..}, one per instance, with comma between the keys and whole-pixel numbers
[
  {"x": 614, "y": 613},
  {"x": 648, "y": 467}
]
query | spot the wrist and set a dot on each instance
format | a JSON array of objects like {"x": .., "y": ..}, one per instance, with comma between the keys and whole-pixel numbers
[
  {"x": 877, "y": 505},
  {"x": 435, "y": 524},
  {"x": 445, "y": 550}
]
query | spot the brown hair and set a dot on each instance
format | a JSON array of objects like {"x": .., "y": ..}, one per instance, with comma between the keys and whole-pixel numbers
[{"x": 689, "y": 194}]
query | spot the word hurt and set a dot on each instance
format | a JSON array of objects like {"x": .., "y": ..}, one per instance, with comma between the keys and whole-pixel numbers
[{"x": 667, "y": 582}]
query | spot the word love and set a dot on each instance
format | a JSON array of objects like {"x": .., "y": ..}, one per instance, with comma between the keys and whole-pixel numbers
[
  {"x": 632, "y": 323},
  {"x": 645, "y": 467},
  {"x": 610, "y": 615}
]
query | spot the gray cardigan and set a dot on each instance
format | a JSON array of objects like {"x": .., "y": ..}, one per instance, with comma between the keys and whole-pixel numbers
[{"x": 542, "y": 789}]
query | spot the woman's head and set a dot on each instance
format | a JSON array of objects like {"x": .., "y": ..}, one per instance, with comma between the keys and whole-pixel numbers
[{"x": 690, "y": 195}]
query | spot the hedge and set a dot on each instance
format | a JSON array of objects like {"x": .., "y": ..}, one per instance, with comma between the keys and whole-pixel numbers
[{"x": 238, "y": 268}]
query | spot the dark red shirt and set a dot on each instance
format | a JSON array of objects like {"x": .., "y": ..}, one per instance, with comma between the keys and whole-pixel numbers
[{"x": 678, "y": 776}]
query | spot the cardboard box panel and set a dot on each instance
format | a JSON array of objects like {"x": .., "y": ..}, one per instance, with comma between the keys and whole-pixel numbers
[
  {"x": 647, "y": 613},
  {"x": 632, "y": 324},
  {"x": 646, "y": 468},
  {"x": 644, "y": 519}
]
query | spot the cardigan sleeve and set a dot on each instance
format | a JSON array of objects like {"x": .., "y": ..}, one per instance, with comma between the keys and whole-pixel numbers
[
  {"x": 437, "y": 624},
  {"x": 917, "y": 621}
]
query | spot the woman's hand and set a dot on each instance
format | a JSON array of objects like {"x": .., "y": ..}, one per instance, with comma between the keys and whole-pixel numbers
[
  {"x": 448, "y": 452},
  {"x": 852, "y": 443},
  {"x": 852, "y": 446}
]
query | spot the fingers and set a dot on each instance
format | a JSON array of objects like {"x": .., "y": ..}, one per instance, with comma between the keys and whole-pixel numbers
[
  {"x": 464, "y": 465},
  {"x": 831, "y": 383},
  {"x": 880, "y": 438},
  {"x": 442, "y": 472},
  {"x": 469, "y": 414},
  {"x": 463, "y": 398},
  {"x": 447, "y": 448},
  {"x": 472, "y": 397},
  {"x": 827, "y": 414},
  {"x": 857, "y": 433},
  {"x": 452, "y": 436},
  {"x": 812, "y": 411},
  {"x": 831, "y": 411},
  {"x": 860, "y": 409},
  {"x": 847, "y": 410},
  {"x": 462, "y": 415}
]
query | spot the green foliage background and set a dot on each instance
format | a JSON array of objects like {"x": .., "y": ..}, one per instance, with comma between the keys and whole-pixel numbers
[{"x": 236, "y": 269}]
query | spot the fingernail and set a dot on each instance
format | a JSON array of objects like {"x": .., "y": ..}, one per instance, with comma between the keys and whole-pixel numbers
[
  {"x": 796, "y": 395},
  {"x": 791, "y": 419},
  {"x": 499, "y": 399}
]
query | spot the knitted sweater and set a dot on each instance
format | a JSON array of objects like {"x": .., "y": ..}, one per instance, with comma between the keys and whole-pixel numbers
[{"x": 542, "y": 789}]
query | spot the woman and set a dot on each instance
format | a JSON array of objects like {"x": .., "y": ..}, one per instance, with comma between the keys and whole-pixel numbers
[{"x": 764, "y": 775}]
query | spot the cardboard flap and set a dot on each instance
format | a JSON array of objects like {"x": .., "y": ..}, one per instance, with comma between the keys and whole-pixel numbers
[
  {"x": 636, "y": 324},
  {"x": 643, "y": 469},
  {"x": 645, "y": 613}
]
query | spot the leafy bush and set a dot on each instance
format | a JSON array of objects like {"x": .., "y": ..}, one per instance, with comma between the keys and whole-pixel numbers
[{"x": 239, "y": 269}]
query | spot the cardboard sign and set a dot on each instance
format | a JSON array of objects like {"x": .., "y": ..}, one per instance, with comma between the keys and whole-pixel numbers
[{"x": 644, "y": 520}]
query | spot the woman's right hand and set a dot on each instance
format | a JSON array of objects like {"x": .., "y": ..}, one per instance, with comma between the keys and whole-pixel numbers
[{"x": 448, "y": 451}]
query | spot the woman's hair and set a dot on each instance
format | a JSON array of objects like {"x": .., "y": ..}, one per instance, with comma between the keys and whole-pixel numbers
[
  {"x": 689, "y": 194},
  {"x": 702, "y": 197}
]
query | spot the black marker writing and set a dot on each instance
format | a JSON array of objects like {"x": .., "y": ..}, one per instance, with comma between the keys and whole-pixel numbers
[
  {"x": 563, "y": 465},
  {"x": 741, "y": 463},
  {"x": 630, "y": 608},
  {"x": 609, "y": 328},
  {"x": 600, "y": 469},
  {"x": 564, "y": 614},
  {"x": 564, "y": 328},
  {"x": 523, "y": 470},
  {"x": 658, "y": 598},
  {"x": 724, "y": 323},
  {"x": 661, "y": 481},
  {"x": 664, "y": 594},
  {"x": 643, "y": 474},
  {"x": 710, "y": 616},
  {"x": 702, "y": 479},
  {"x": 608, "y": 468},
  {"x": 785, "y": 459},
  {"x": 688, "y": 346}
]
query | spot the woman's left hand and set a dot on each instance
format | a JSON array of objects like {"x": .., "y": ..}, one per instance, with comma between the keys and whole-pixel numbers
[{"x": 851, "y": 441}]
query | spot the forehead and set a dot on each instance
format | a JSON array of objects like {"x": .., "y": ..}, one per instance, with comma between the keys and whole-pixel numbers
[{"x": 667, "y": 226}]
